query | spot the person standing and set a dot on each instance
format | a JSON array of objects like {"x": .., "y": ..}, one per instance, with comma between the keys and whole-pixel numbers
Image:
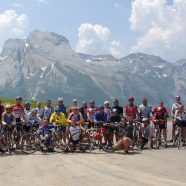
[{"x": 174, "y": 108}]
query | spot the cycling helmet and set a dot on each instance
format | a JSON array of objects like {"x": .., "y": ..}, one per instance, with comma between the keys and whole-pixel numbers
[
  {"x": 159, "y": 109},
  {"x": 74, "y": 100},
  {"x": 106, "y": 102},
  {"x": 19, "y": 98},
  {"x": 8, "y": 106},
  {"x": 27, "y": 104},
  {"x": 178, "y": 97},
  {"x": 60, "y": 99},
  {"x": 131, "y": 98}
]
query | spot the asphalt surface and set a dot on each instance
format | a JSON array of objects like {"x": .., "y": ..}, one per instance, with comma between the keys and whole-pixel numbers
[{"x": 157, "y": 167}]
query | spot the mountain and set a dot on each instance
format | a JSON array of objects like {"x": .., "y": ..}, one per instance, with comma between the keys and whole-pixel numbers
[{"x": 44, "y": 66}]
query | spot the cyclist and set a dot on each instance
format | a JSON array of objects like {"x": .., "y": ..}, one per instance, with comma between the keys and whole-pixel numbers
[
  {"x": 145, "y": 110},
  {"x": 39, "y": 110},
  {"x": 107, "y": 109},
  {"x": 74, "y": 104},
  {"x": 8, "y": 121},
  {"x": 44, "y": 130},
  {"x": 58, "y": 118},
  {"x": 75, "y": 131},
  {"x": 101, "y": 121},
  {"x": 114, "y": 121},
  {"x": 164, "y": 109},
  {"x": 130, "y": 111},
  {"x": 116, "y": 106},
  {"x": 83, "y": 110},
  {"x": 180, "y": 120},
  {"x": 48, "y": 110},
  {"x": 1, "y": 110},
  {"x": 18, "y": 110},
  {"x": 62, "y": 106},
  {"x": 160, "y": 119},
  {"x": 32, "y": 119},
  {"x": 91, "y": 110},
  {"x": 75, "y": 114},
  {"x": 125, "y": 135},
  {"x": 146, "y": 133},
  {"x": 174, "y": 108},
  {"x": 27, "y": 109}
]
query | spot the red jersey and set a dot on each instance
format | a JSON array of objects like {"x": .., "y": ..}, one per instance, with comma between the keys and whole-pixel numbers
[
  {"x": 16, "y": 106},
  {"x": 131, "y": 111},
  {"x": 164, "y": 109}
]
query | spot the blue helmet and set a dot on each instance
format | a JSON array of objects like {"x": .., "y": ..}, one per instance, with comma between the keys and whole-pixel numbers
[{"x": 27, "y": 104}]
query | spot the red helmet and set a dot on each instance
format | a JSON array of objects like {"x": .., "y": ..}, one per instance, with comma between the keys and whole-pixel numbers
[
  {"x": 96, "y": 136},
  {"x": 131, "y": 98}
]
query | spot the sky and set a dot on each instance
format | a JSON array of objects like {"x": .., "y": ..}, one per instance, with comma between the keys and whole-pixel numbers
[{"x": 116, "y": 27}]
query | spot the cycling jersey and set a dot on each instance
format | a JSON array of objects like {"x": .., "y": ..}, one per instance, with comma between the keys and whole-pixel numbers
[
  {"x": 91, "y": 111},
  {"x": 47, "y": 112},
  {"x": 8, "y": 118},
  {"x": 40, "y": 112},
  {"x": 33, "y": 119},
  {"x": 108, "y": 112},
  {"x": 131, "y": 111},
  {"x": 75, "y": 132},
  {"x": 62, "y": 109},
  {"x": 175, "y": 107},
  {"x": 58, "y": 119},
  {"x": 100, "y": 117},
  {"x": 18, "y": 107},
  {"x": 145, "y": 111},
  {"x": 119, "y": 109},
  {"x": 164, "y": 109},
  {"x": 161, "y": 118}
]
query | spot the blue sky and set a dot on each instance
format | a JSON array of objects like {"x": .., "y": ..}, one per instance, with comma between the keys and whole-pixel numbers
[{"x": 116, "y": 27}]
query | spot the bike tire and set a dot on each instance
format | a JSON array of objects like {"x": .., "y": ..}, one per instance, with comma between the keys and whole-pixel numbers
[{"x": 29, "y": 143}]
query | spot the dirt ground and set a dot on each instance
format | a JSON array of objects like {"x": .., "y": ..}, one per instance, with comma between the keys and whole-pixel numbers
[{"x": 163, "y": 167}]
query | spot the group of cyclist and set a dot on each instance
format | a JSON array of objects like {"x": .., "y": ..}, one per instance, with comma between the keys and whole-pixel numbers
[{"x": 115, "y": 123}]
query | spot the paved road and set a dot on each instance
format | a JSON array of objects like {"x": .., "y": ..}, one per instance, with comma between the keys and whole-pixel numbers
[{"x": 163, "y": 167}]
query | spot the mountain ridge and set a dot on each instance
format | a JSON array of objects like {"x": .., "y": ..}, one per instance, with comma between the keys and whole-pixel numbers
[{"x": 44, "y": 66}]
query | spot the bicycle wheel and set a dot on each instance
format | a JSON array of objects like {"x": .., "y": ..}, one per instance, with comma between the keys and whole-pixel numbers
[
  {"x": 29, "y": 143},
  {"x": 59, "y": 142}
]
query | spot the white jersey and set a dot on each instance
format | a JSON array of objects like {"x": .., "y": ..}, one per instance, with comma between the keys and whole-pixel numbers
[
  {"x": 145, "y": 111},
  {"x": 175, "y": 108},
  {"x": 181, "y": 116},
  {"x": 33, "y": 120},
  {"x": 40, "y": 111},
  {"x": 75, "y": 132},
  {"x": 47, "y": 112}
]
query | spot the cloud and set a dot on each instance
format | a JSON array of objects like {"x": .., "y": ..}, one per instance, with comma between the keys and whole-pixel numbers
[
  {"x": 161, "y": 26},
  {"x": 42, "y": 1},
  {"x": 95, "y": 39},
  {"x": 12, "y": 25},
  {"x": 18, "y": 5}
]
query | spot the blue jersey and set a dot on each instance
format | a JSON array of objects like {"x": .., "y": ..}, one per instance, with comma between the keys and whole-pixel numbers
[
  {"x": 62, "y": 109},
  {"x": 47, "y": 112},
  {"x": 100, "y": 117},
  {"x": 8, "y": 118}
]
